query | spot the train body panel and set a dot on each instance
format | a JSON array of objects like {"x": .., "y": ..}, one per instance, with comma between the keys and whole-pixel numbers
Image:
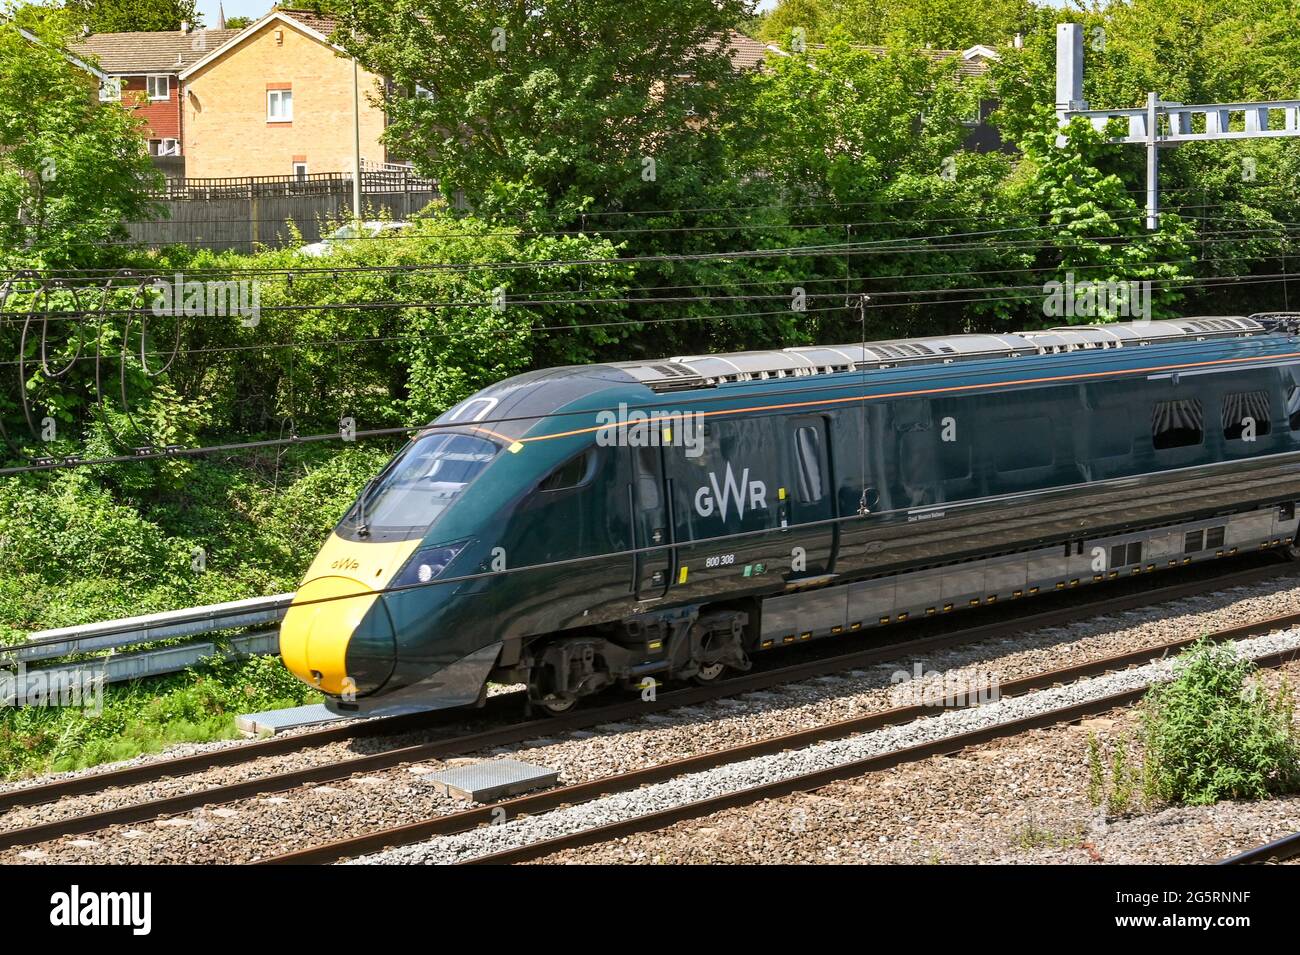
[{"x": 599, "y": 529}]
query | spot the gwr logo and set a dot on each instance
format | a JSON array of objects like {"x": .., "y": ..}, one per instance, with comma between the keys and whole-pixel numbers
[
  {"x": 345, "y": 563},
  {"x": 711, "y": 496}
]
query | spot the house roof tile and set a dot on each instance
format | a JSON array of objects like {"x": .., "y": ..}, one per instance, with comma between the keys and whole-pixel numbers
[{"x": 160, "y": 52}]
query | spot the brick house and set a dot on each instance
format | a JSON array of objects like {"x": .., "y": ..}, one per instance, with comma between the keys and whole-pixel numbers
[
  {"x": 143, "y": 71},
  {"x": 276, "y": 100}
]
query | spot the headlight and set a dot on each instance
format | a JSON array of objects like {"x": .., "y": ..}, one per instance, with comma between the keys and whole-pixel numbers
[{"x": 428, "y": 564}]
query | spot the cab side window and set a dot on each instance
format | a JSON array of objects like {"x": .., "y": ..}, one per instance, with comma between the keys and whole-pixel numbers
[{"x": 571, "y": 473}]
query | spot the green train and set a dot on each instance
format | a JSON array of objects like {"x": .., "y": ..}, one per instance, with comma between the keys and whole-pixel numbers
[{"x": 578, "y": 528}]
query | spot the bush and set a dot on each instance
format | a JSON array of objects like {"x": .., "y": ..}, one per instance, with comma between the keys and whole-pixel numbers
[{"x": 1209, "y": 735}]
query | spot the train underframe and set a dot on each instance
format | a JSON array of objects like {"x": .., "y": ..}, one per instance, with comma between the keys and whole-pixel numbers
[{"x": 701, "y": 642}]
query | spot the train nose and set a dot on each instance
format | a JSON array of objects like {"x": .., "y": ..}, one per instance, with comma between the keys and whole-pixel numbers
[{"x": 338, "y": 637}]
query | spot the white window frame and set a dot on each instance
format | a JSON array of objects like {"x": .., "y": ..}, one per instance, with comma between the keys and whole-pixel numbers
[
  {"x": 110, "y": 91},
  {"x": 149, "y": 82},
  {"x": 169, "y": 147},
  {"x": 303, "y": 167},
  {"x": 279, "y": 96}
]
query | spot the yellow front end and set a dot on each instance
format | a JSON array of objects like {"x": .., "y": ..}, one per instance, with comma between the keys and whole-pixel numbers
[{"x": 339, "y": 594}]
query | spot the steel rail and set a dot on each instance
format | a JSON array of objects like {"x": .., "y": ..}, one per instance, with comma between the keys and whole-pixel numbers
[
  {"x": 529, "y": 729},
  {"x": 582, "y": 792},
  {"x": 234, "y": 755},
  {"x": 1279, "y": 850},
  {"x": 815, "y": 780}
]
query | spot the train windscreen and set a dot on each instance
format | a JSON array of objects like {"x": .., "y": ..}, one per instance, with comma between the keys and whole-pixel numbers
[{"x": 418, "y": 486}]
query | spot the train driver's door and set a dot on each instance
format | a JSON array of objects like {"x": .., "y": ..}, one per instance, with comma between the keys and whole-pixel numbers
[
  {"x": 650, "y": 523},
  {"x": 808, "y": 508}
]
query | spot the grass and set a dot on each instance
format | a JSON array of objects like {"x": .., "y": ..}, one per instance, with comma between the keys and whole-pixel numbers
[{"x": 147, "y": 716}]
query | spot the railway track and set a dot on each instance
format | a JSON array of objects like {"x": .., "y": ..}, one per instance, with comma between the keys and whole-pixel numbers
[
  {"x": 1279, "y": 850},
  {"x": 567, "y": 796},
  {"x": 500, "y": 706},
  {"x": 517, "y": 732}
]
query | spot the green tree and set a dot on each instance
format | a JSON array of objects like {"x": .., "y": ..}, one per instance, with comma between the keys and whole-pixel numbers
[
  {"x": 125, "y": 16},
  {"x": 1240, "y": 195},
  {"x": 1096, "y": 229},
  {"x": 874, "y": 142},
  {"x": 71, "y": 170},
  {"x": 521, "y": 103},
  {"x": 941, "y": 24},
  {"x": 813, "y": 17}
]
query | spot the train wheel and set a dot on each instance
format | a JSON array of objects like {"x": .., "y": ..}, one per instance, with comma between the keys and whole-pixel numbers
[
  {"x": 558, "y": 705},
  {"x": 709, "y": 673}
]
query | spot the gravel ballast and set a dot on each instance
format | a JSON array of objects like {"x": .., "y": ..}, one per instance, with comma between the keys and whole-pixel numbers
[
  {"x": 253, "y": 828},
  {"x": 765, "y": 769}
]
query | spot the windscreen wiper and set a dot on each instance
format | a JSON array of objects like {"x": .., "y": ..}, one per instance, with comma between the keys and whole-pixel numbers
[{"x": 363, "y": 528}]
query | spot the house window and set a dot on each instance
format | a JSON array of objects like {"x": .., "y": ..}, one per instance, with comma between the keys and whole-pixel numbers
[
  {"x": 1177, "y": 424},
  {"x": 164, "y": 147},
  {"x": 159, "y": 86},
  {"x": 300, "y": 171},
  {"x": 279, "y": 106},
  {"x": 110, "y": 91}
]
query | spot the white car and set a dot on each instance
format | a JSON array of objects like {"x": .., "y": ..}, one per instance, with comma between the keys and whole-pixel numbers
[{"x": 340, "y": 237}]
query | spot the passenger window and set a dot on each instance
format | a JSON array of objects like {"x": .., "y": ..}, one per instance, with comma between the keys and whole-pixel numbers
[
  {"x": 1245, "y": 409},
  {"x": 808, "y": 456},
  {"x": 1177, "y": 424},
  {"x": 570, "y": 474}
]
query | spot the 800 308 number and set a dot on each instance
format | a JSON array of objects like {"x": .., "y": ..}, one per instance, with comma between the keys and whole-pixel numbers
[{"x": 722, "y": 560}]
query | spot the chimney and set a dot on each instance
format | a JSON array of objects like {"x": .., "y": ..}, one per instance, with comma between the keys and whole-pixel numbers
[{"x": 185, "y": 27}]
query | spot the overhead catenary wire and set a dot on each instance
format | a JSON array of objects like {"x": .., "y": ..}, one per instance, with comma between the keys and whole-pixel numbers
[
  {"x": 943, "y": 242},
  {"x": 1240, "y": 236},
  {"x": 64, "y": 314},
  {"x": 572, "y": 327},
  {"x": 51, "y": 464}
]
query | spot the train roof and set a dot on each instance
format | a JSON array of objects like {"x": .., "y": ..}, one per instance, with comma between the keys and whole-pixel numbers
[
  {"x": 512, "y": 408},
  {"x": 702, "y": 371}
]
